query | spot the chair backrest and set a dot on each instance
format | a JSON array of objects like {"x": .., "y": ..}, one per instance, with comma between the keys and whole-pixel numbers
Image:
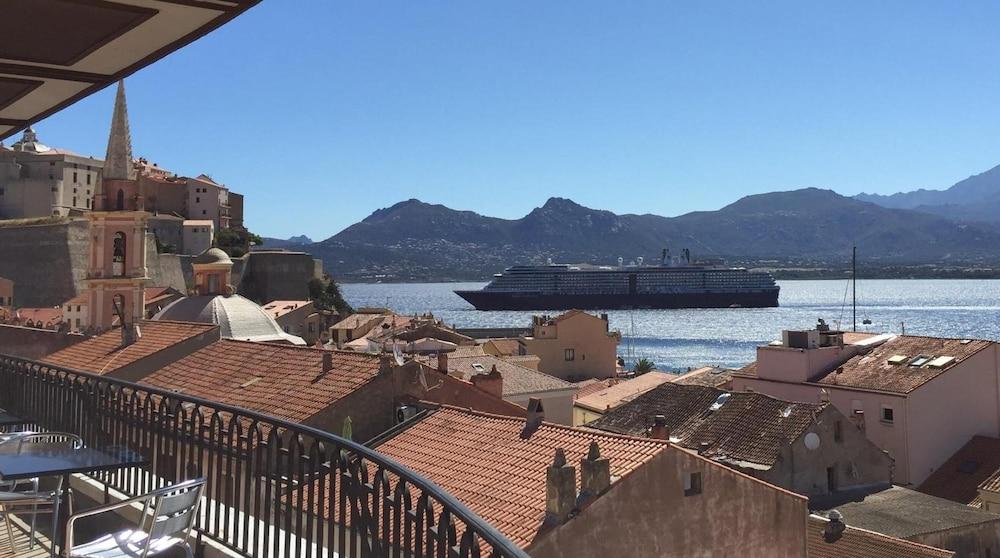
[
  {"x": 55, "y": 440},
  {"x": 175, "y": 509}
]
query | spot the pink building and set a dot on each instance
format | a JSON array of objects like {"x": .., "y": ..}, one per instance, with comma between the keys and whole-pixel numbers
[{"x": 920, "y": 398}]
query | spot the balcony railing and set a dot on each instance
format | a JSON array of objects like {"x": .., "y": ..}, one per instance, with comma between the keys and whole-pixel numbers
[{"x": 275, "y": 488}]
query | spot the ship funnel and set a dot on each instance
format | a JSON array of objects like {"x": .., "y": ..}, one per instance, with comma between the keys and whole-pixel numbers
[
  {"x": 621, "y": 261},
  {"x": 638, "y": 261}
]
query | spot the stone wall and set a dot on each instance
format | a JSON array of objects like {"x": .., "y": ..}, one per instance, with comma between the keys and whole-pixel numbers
[
  {"x": 266, "y": 276},
  {"x": 47, "y": 263},
  {"x": 31, "y": 343}
]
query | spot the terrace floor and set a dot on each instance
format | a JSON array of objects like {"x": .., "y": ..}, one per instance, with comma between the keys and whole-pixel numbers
[{"x": 21, "y": 550}]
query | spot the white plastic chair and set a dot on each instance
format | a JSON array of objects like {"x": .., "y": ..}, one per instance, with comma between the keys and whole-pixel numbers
[
  {"x": 174, "y": 511},
  {"x": 33, "y": 501}
]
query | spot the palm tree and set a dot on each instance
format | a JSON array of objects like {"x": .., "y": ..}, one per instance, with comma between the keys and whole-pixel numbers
[{"x": 644, "y": 365}]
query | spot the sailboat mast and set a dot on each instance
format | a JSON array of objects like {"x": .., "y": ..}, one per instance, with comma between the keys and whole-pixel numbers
[{"x": 854, "y": 287}]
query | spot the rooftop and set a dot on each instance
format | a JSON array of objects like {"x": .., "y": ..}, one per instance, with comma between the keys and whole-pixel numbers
[
  {"x": 901, "y": 512},
  {"x": 278, "y": 308},
  {"x": 41, "y": 315},
  {"x": 238, "y": 317},
  {"x": 711, "y": 376},
  {"x": 859, "y": 543},
  {"x": 355, "y": 321},
  {"x": 280, "y": 380},
  {"x": 959, "y": 477},
  {"x": 490, "y": 466},
  {"x": 517, "y": 379},
  {"x": 739, "y": 427},
  {"x": 104, "y": 353},
  {"x": 612, "y": 396}
]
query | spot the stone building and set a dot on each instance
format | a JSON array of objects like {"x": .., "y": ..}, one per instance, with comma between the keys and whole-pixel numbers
[
  {"x": 6, "y": 292},
  {"x": 197, "y": 235},
  {"x": 41, "y": 181},
  {"x": 901, "y": 389},
  {"x": 301, "y": 318},
  {"x": 207, "y": 199},
  {"x": 574, "y": 345},
  {"x": 810, "y": 449},
  {"x": 214, "y": 300}
]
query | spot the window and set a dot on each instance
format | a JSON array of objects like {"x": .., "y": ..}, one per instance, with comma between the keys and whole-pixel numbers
[
  {"x": 197, "y": 200},
  {"x": 88, "y": 179},
  {"x": 203, "y": 212},
  {"x": 74, "y": 201},
  {"x": 887, "y": 414},
  {"x": 838, "y": 432},
  {"x": 569, "y": 354},
  {"x": 692, "y": 483},
  {"x": 75, "y": 177},
  {"x": 121, "y": 199},
  {"x": 118, "y": 255}
]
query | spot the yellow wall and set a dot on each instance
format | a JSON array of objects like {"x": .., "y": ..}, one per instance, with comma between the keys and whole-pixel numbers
[{"x": 595, "y": 349}]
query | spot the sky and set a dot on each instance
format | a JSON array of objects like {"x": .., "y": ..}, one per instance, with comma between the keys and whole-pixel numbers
[{"x": 322, "y": 111}]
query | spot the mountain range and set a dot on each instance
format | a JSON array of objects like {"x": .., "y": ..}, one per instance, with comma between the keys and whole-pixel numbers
[{"x": 417, "y": 241}]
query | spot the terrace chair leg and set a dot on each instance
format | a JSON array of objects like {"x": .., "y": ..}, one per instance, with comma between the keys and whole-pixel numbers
[{"x": 10, "y": 531}]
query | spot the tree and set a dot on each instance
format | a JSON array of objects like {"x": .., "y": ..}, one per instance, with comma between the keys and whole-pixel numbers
[
  {"x": 325, "y": 293},
  {"x": 644, "y": 365}
]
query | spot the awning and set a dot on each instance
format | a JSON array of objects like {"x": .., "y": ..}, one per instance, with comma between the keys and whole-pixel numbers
[{"x": 56, "y": 52}]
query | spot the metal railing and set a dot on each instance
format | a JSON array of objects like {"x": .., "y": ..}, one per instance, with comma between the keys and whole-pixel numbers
[{"x": 275, "y": 488}]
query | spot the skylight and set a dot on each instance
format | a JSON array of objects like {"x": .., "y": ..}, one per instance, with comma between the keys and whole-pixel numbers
[
  {"x": 478, "y": 367},
  {"x": 941, "y": 361},
  {"x": 720, "y": 401},
  {"x": 920, "y": 360},
  {"x": 897, "y": 359}
]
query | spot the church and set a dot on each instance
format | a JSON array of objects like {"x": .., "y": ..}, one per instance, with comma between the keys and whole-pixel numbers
[{"x": 117, "y": 273}]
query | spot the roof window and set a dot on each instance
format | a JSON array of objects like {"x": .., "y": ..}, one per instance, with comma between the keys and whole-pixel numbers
[
  {"x": 720, "y": 401},
  {"x": 941, "y": 361},
  {"x": 897, "y": 359},
  {"x": 920, "y": 360},
  {"x": 478, "y": 367}
]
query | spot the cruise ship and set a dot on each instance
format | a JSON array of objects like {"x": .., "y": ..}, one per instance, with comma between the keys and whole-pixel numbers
[{"x": 674, "y": 282}]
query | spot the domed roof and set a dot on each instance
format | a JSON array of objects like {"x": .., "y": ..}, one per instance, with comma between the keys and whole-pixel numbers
[
  {"x": 237, "y": 317},
  {"x": 213, "y": 256}
]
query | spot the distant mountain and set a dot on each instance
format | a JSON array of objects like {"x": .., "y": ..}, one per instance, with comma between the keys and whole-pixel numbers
[
  {"x": 413, "y": 240},
  {"x": 295, "y": 242},
  {"x": 976, "y": 198}
]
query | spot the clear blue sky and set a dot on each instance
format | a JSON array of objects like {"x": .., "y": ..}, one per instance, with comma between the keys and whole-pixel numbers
[{"x": 322, "y": 111}]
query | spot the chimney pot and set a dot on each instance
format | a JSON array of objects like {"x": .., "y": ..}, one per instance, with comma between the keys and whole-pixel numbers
[
  {"x": 835, "y": 527},
  {"x": 534, "y": 418},
  {"x": 595, "y": 475},
  {"x": 327, "y": 362},
  {"x": 443, "y": 362},
  {"x": 703, "y": 448},
  {"x": 491, "y": 383},
  {"x": 560, "y": 489},
  {"x": 659, "y": 431}
]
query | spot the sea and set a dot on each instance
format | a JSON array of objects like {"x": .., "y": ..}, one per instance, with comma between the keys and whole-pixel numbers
[{"x": 677, "y": 340}]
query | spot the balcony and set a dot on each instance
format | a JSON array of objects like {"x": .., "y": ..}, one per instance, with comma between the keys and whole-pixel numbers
[{"x": 274, "y": 488}]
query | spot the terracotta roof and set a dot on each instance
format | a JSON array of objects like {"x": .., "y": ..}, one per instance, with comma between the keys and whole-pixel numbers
[
  {"x": 507, "y": 346},
  {"x": 104, "y": 353},
  {"x": 622, "y": 392},
  {"x": 711, "y": 376},
  {"x": 901, "y": 512},
  {"x": 41, "y": 315},
  {"x": 747, "y": 428},
  {"x": 859, "y": 543},
  {"x": 517, "y": 379},
  {"x": 355, "y": 321},
  {"x": 78, "y": 299},
  {"x": 156, "y": 294},
  {"x": 872, "y": 370},
  {"x": 280, "y": 380},
  {"x": 587, "y": 387},
  {"x": 485, "y": 462},
  {"x": 467, "y": 351},
  {"x": 960, "y": 476},
  {"x": 278, "y": 308}
]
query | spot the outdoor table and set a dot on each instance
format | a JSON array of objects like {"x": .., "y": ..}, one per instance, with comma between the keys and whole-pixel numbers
[
  {"x": 7, "y": 419},
  {"x": 42, "y": 460}
]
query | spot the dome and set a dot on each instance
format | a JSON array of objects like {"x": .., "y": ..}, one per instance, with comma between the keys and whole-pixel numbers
[
  {"x": 213, "y": 256},
  {"x": 238, "y": 317}
]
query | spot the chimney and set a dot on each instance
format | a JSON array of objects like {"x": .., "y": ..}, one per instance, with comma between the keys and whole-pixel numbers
[
  {"x": 386, "y": 362},
  {"x": 130, "y": 334},
  {"x": 560, "y": 490},
  {"x": 659, "y": 430},
  {"x": 595, "y": 475},
  {"x": 835, "y": 527},
  {"x": 443, "y": 362},
  {"x": 534, "y": 417},
  {"x": 703, "y": 448},
  {"x": 327, "y": 362},
  {"x": 491, "y": 383}
]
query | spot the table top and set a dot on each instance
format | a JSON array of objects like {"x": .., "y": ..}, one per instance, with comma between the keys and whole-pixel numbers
[
  {"x": 7, "y": 419},
  {"x": 45, "y": 461}
]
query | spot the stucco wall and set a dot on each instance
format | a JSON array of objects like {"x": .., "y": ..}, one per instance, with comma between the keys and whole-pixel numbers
[
  {"x": 558, "y": 405},
  {"x": 595, "y": 351},
  {"x": 968, "y": 541},
  {"x": 31, "y": 343},
  {"x": 855, "y": 460},
  {"x": 647, "y": 513},
  {"x": 946, "y": 412}
]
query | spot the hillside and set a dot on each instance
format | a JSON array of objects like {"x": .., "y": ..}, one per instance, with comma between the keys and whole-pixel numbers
[
  {"x": 976, "y": 198},
  {"x": 412, "y": 240}
]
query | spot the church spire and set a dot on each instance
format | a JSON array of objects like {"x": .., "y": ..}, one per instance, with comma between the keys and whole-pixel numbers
[{"x": 118, "y": 161}]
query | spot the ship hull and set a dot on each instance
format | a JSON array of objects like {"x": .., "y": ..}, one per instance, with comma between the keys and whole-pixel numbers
[{"x": 486, "y": 300}]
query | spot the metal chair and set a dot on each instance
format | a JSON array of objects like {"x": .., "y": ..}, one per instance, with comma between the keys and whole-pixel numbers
[
  {"x": 174, "y": 511},
  {"x": 12, "y": 500}
]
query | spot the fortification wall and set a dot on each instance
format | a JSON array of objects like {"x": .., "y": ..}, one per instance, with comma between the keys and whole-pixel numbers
[
  {"x": 47, "y": 263},
  {"x": 267, "y": 276}
]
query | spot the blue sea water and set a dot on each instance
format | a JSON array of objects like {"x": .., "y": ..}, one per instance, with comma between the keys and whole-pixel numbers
[{"x": 679, "y": 339}]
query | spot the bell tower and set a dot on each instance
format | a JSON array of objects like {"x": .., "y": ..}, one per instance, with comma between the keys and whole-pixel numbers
[{"x": 117, "y": 274}]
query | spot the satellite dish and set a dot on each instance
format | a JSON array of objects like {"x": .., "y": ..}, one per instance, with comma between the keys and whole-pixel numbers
[{"x": 812, "y": 441}]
